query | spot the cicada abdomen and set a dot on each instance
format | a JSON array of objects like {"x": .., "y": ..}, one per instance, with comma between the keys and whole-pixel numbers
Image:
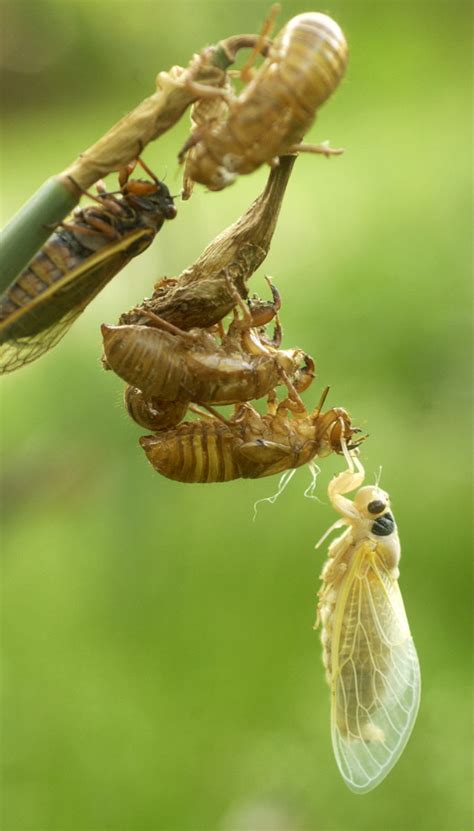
[
  {"x": 194, "y": 367},
  {"x": 195, "y": 451},
  {"x": 76, "y": 262},
  {"x": 304, "y": 66}
]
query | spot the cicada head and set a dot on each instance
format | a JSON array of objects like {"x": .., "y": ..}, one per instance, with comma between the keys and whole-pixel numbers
[
  {"x": 204, "y": 169},
  {"x": 372, "y": 502},
  {"x": 152, "y": 200},
  {"x": 333, "y": 427}
]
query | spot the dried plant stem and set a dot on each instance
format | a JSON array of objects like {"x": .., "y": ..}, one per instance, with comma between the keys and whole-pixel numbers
[
  {"x": 32, "y": 225},
  {"x": 200, "y": 296}
]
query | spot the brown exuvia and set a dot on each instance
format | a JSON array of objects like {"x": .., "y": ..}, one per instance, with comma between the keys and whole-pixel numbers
[{"x": 249, "y": 445}]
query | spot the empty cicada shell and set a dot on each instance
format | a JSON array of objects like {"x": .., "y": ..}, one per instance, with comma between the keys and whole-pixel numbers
[
  {"x": 249, "y": 445},
  {"x": 304, "y": 66},
  {"x": 168, "y": 363}
]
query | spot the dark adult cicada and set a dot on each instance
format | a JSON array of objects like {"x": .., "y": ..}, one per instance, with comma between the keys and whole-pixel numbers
[{"x": 75, "y": 264}]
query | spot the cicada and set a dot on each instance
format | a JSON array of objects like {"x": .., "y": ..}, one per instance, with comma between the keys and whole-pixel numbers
[
  {"x": 249, "y": 445},
  {"x": 75, "y": 264},
  {"x": 175, "y": 365},
  {"x": 304, "y": 66},
  {"x": 368, "y": 652}
]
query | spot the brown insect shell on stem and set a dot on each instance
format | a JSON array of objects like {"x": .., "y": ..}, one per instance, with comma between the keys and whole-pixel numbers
[
  {"x": 192, "y": 366},
  {"x": 304, "y": 66},
  {"x": 248, "y": 446}
]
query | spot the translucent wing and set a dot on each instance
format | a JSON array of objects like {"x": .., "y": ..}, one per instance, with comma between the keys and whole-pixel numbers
[
  {"x": 375, "y": 676},
  {"x": 34, "y": 328}
]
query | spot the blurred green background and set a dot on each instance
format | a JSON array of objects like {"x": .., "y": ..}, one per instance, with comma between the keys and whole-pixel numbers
[{"x": 159, "y": 664}]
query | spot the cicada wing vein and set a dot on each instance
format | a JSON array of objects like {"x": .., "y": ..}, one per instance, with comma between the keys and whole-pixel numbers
[
  {"x": 37, "y": 326},
  {"x": 375, "y": 678}
]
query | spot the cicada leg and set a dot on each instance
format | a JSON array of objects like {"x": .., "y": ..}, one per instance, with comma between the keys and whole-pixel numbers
[
  {"x": 165, "y": 325},
  {"x": 264, "y": 311},
  {"x": 346, "y": 481},
  {"x": 293, "y": 402},
  {"x": 246, "y": 73}
]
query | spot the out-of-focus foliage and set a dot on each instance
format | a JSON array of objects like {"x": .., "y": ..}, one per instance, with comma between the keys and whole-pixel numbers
[{"x": 160, "y": 668}]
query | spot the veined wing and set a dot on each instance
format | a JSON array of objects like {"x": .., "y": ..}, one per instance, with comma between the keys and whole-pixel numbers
[
  {"x": 375, "y": 675},
  {"x": 33, "y": 329}
]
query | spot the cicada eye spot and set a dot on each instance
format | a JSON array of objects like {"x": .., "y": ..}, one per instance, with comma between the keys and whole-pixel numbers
[
  {"x": 384, "y": 526},
  {"x": 376, "y": 506}
]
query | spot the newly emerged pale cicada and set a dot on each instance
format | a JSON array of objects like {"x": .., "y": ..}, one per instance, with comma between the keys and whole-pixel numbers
[
  {"x": 368, "y": 652},
  {"x": 76, "y": 262}
]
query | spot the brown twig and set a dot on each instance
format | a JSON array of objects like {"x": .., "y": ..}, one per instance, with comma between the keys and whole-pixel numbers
[{"x": 200, "y": 295}]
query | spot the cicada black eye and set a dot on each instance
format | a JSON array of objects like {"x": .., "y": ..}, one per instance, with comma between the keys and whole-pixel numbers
[{"x": 376, "y": 506}]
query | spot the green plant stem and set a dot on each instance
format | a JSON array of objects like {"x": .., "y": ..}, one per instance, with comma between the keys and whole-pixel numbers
[{"x": 32, "y": 225}]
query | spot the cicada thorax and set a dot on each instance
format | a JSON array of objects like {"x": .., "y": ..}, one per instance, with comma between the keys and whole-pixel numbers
[
  {"x": 76, "y": 262},
  {"x": 153, "y": 413},
  {"x": 304, "y": 66}
]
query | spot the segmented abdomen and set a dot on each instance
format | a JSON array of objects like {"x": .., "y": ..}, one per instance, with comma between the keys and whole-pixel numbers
[
  {"x": 165, "y": 367},
  {"x": 55, "y": 259},
  {"x": 195, "y": 452}
]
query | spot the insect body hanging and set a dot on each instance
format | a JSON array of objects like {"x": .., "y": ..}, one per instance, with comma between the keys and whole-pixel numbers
[
  {"x": 77, "y": 261},
  {"x": 249, "y": 445},
  {"x": 304, "y": 66},
  {"x": 368, "y": 652},
  {"x": 175, "y": 365}
]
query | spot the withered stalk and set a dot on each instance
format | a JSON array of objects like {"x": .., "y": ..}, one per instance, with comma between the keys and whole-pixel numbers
[{"x": 200, "y": 296}]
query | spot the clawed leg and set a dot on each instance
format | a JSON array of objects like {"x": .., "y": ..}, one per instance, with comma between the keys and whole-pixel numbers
[
  {"x": 293, "y": 402},
  {"x": 305, "y": 375},
  {"x": 247, "y": 320},
  {"x": 264, "y": 311},
  {"x": 347, "y": 481}
]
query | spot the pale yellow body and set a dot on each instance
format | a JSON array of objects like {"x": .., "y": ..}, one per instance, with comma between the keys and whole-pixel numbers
[{"x": 368, "y": 653}]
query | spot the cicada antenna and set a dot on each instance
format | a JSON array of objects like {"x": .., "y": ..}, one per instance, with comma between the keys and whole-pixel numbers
[{"x": 378, "y": 476}]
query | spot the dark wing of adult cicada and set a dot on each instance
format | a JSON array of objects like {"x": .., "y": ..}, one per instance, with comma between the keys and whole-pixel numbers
[{"x": 34, "y": 324}]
